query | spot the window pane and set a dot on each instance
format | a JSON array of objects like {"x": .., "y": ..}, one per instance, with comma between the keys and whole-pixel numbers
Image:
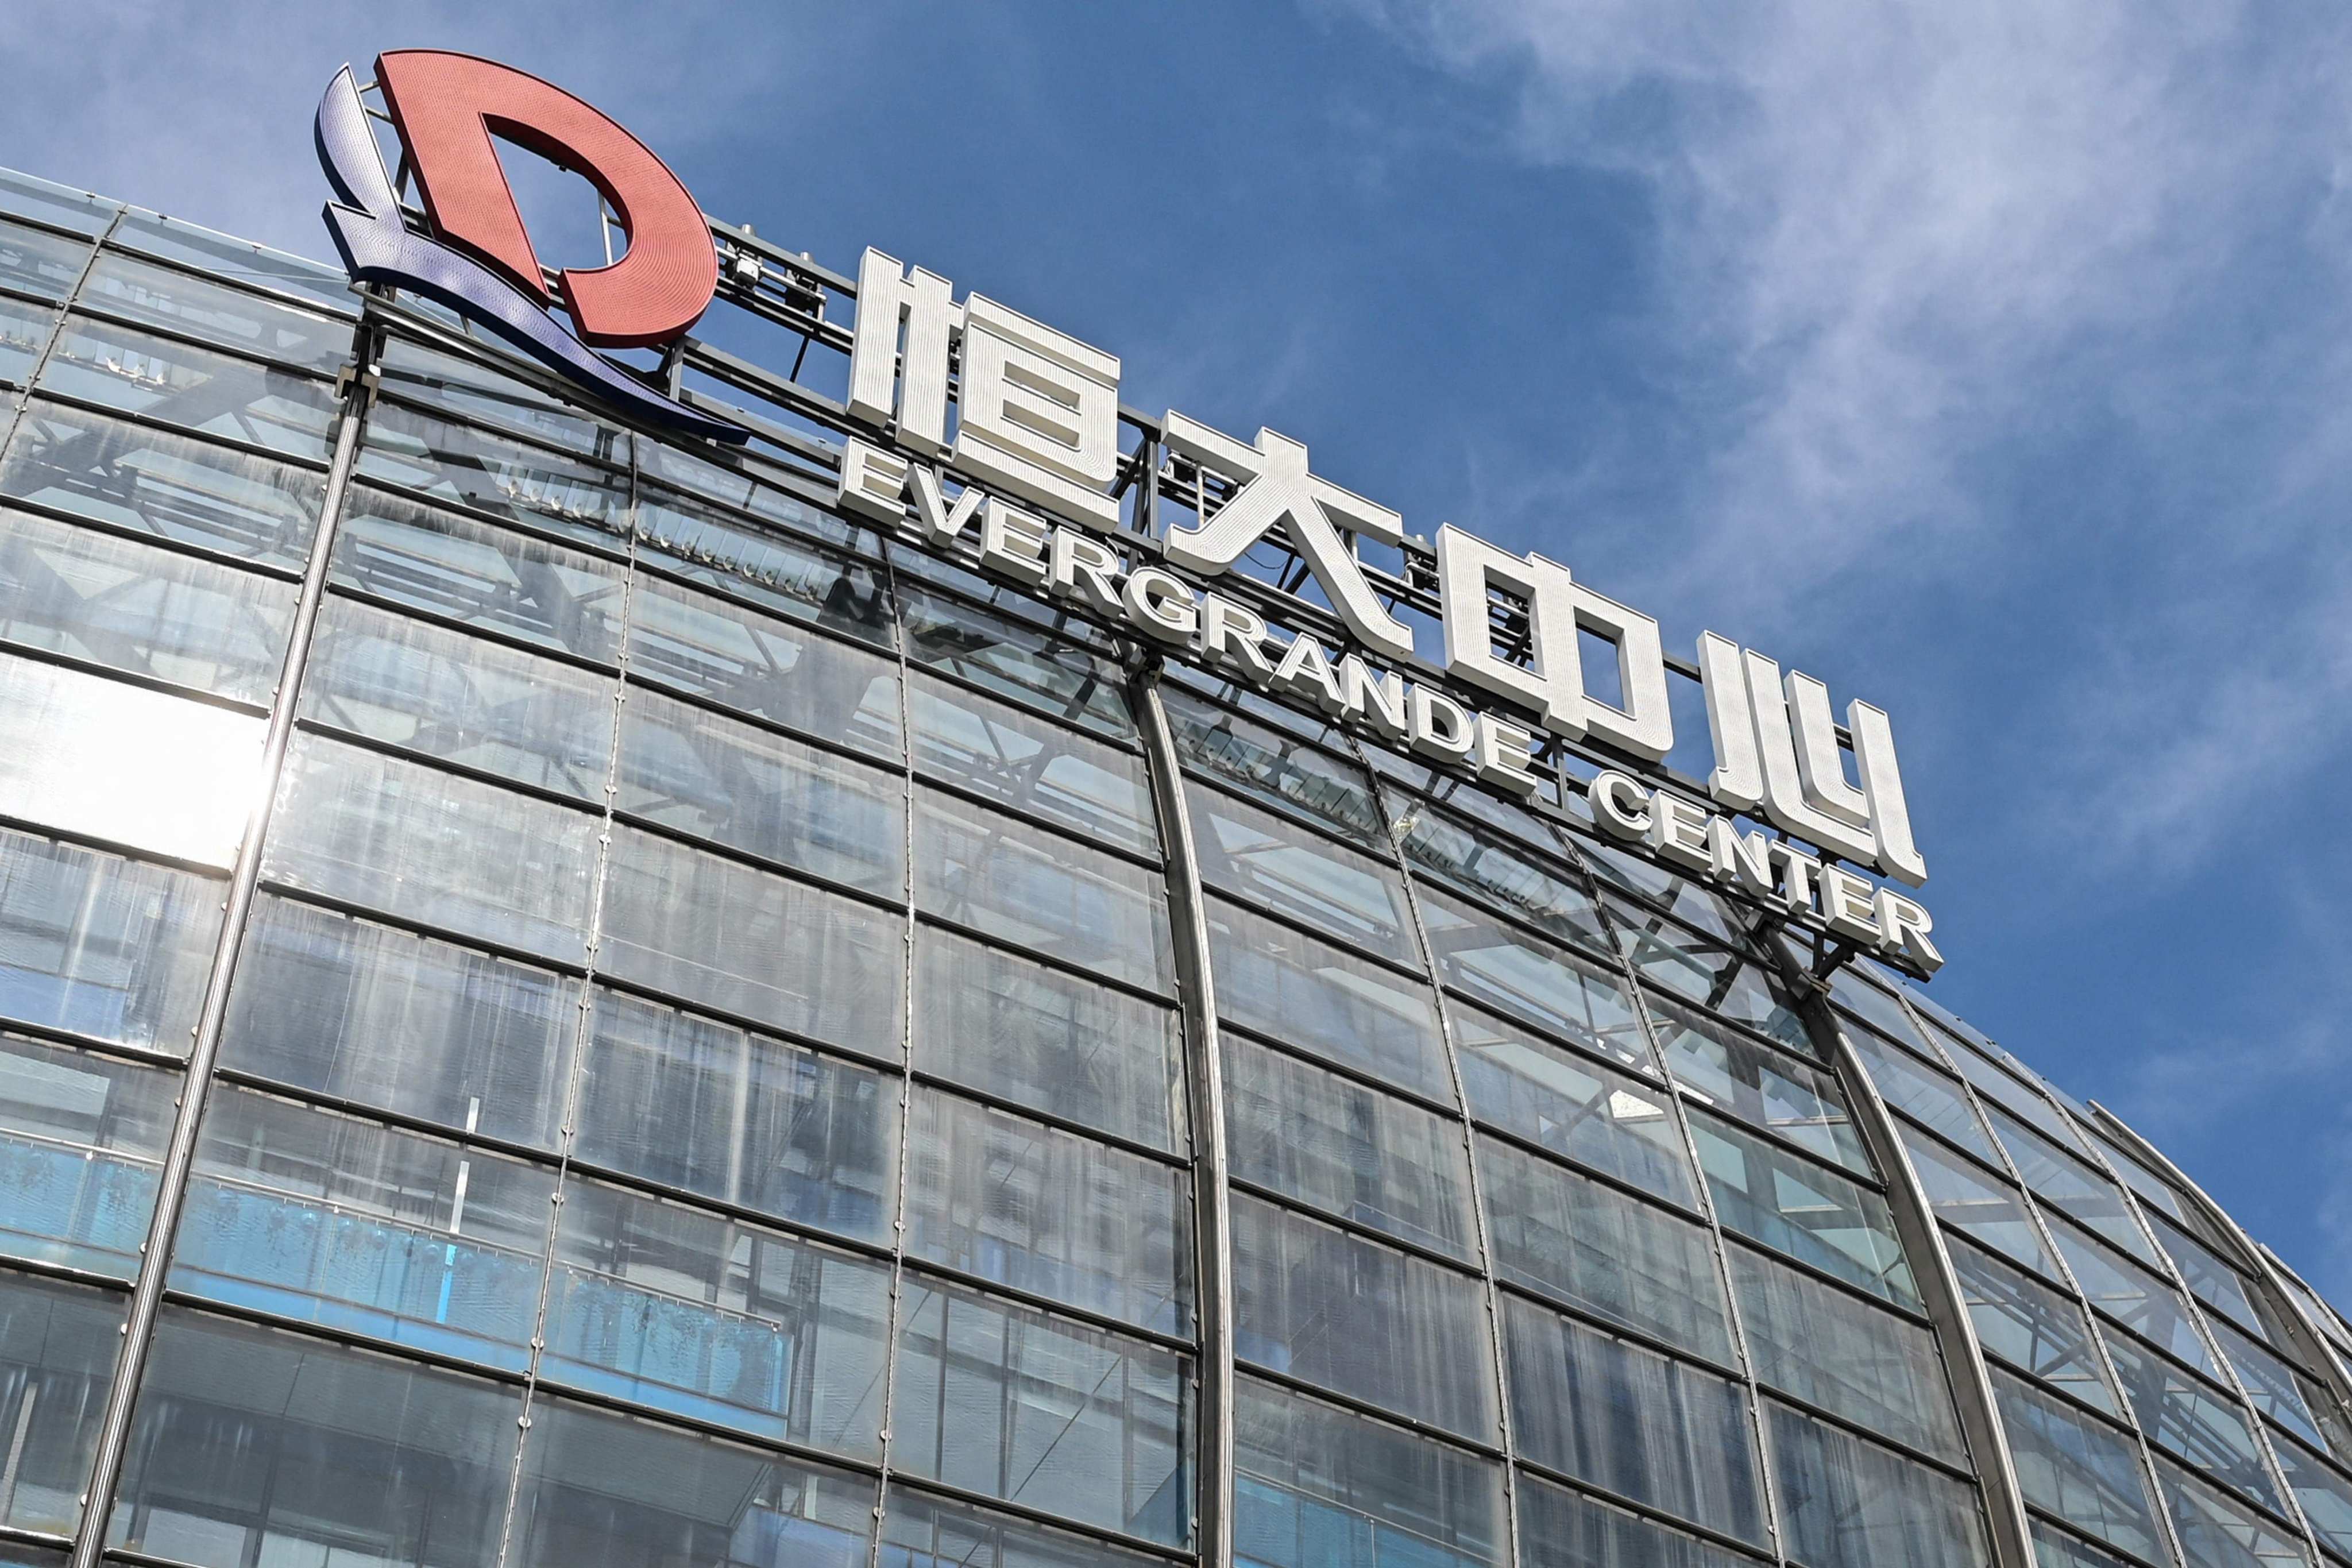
[
  {"x": 830, "y": 590},
  {"x": 1849, "y": 1358},
  {"x": 1607, "y": 1121},
  {"x": 2056, "y": 1177},
  {"x": 605, "y": 1489},
  {"x": 1334, "y": 1309},
  {"x": 1547, "y": 987},
  {"x": 1048, "y": 1211},
  {"x": 1032, "y": 764},
  {"x": 2195, "y": 1419},
  {"x": 1318, "y": 1486},
  {"x": 2012, "y": 1094},
  {"x": 1274, "y": 864},
  {"x": 35, "y": 263},
  {"x": 57, "y": 1345},
  {"x": 1918, "y": 1091},
  {"x": 2031, "y": 1326},
  {"x": 920, "y": 1532},
  {"x": 1274, "y": 769},
  {"x": 1659, "y": 1431},
  {"x": 657, "y": 1304},
  {"x": 237, "y": 260},
  {"x": 102, "y": 946},
  {"x": 1320, "y": 998},
  {"x": 2133, "y": 1296},
  {"x": 22, "y": 329},
  {"x": 1007, "y": 1403},
  {"x": 700, "y": 772},
  {"x": 85, "y": 754},
  {"x": 2052, "y": 1548},
  {"x": 2270, "y": 1382},
  {"x": 2324, "y": 1491},
  {"x": 460, "y": 700},
  {"x": 1598, "y": 1249},
  {"x": 2217, "y": 1531},
  {"x": 751, "y": 482},
  {"x": 479, "y": 574},
  {"x": 1877, "y": 1007},
  {"x": 1845, "y": 1503},
  {"x": 155, "y": 613},
  {"x": 1760, "y": 1086},
  {"x": 124, "y": 286},
  {"x": 253, "y": 1443},
  {"x": 55, "y": 204},
  {"x": 739, "y": 1117},
  {"x": 360, "y": 1012},
  {"x": 2209, "y": 1279},
  {"x": 1977, "y": 1204},
  {"x": 197, "y": 388},
  {"x": 497, "y": 474},
  {"x": 1048, "y": 1040},
  {"x": 1349, "y": 1150},
  {"x": 2085, "y": 1472},
  {"x": 473, "y": 392},
  {"x": 1489, "y": 867},
  {"x": 1704, "y": 970},
  {"x": 81, "y": 1138},
  {"x": 1813, "y": 1214},
  {"x": 244, "y": 507},
  {"x": 727, "y": 653},
  {"x": 364, "y": 1229},
  {"x": 1036, "y": 890},
  {"x": 432, "y": 847},
  {"x": 1562, "y": 1529},
  {"x": 1060, "y": 678},
  {"x": 753, "y": 945}
]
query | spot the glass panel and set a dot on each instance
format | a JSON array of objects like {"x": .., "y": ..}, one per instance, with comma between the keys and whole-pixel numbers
[
  {"x": 1547, "y": 987},
  {"x": 479, "y": 574},
  {"x": 1496, "y": 872},
  {"x": 1344, "y": 1313},
  {"x": 2031, "y": 1326},
  {"x": 920, "y": 1532},
  {"x": 135, "y": 767},
  {"x": 2270, "y": 1382},
  {"x": 1845, "y": 1503},
  {"x": 46, "y": 265},
  {"x": 1276, "y": 865},
  {"x": 698, "y": 772},
  {"x": 22, "y": 329},
  {"x": 2209, "y": 1279},
  {"x": 1877, "y": 1007},
  {"x": 154, "y": 482},
  {"x": 656, "y": 1304},
  {"x": 2191, "y": 1417},
  {"x": 495, "y": 474},
  {"x": 237, "y": 261},
  {"x": 754, "y": 944},
  {"x": 1007, "y": 1403},
  {"x": 1274, "y": 769},
  {"x": 775, "y": 571},
  {"x": 2078, "y": 1468},
  {"x": 1845, "y": 1356},
  {"x": 1048, "y": 1211},
  {"x": 1039, "y": 1037},
  {"x": 1814, "y": 1216},
  {"x": 725, "y": 653},
  {"x": 55, "y": 204},
  {"x": 57, "y": 1345},
  {"x": 740, "y": 479},
  {"x": 2159, "y": 1193},
  {"x": 474, "y": 392},
  {"x": 363, "y": 1229},
  {"x": 2133, "y": 1296},
  {"x": 360, "y": 1012},
  {"x": 1061, "y": 679},
  {"x": 1977, "y": 1204},
  {"x": 1019, "y": 760},
  {"x": 255, "y": 1444},
  {"x": 1318, "y": 1486},
  {"x": 1927, "y": 1096},
  {"x": 200, "y": 308},
  {"x": 1323, "y": 999},
  {"x": 101, "y": 946},
  {"x": 2056, "y": 1177},
  {"x": 1704, "y": 970},
  {"x": 155, "y": 613},
  {"x": 1607, "y": 1121},
  {"x": 599, "y": 1488},
  {"x": 81, "y": 1139},
  {"x": 1659, "y": 1431},
  {"x": 738, "y": 1118},
  {"x": 2052, "y": 1548},
  {"x": 1760, "y": 1086},
  {"x": 1560, "y": 1529},
  {"x": 2216, "y": 1531},
  {"x": 460, "y": 700},
  {"x": 433, "y": 848},
  {"x": 1603, "y": 1251},
  {"x": 2325, "y": 1493},
  {"x": 196, "y": 388},
  {"x": 1037, "y": 890},
  {"x": 1349, "y": 1150},
  {"x": 2013, "y": 1095}
]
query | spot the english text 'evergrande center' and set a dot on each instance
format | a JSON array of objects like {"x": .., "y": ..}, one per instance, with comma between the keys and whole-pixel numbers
[{"x": 642, "y": 930}]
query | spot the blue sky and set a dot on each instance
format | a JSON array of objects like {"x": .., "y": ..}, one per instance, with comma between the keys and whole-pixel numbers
[{"x": 1990, "y": 361}]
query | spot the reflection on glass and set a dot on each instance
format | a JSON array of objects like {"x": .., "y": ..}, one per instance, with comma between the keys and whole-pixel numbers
[
  {"x": 102, "y": 946},
  {"x": 1978, "y": 1203},
  {"x": 415, "y": 374},
  {"x": 1497, "y": 872},
  {"x": 199, "y": 307},
  {"x": 237, "y": 261},
  {"x": 81, "y": 1138},
  {"x": 2031, "y": 1326},
  {"x": 1562, "y": 1529},
  {"x": 1059, "y": 678},
  {"x": 1845, "y": 1503},
  {"x": 24, "y": 329},
  {"x": 1029, "y": 763},
  {"x": 494, "y": 474},
  {"x": 2077, "y": 1466},
  {"x": 1272, "y": 863},
  {"x": 1598, "y": 1117},
  {"x": 42, "y": 265},
  {"x": 1807, "y": 1211},
  {"x": 196, "y": 388},
  {"x": 772, "y": 569},
  {"x": 774, "y": 669},
  {"x": 920, "y": 1532},
  {"x": 1762, "y": 1087},
  {"x": 1320, "y": 998},
  {"x": 57, "y": 1345},
  {"x": 1274, "y": 769},
  {"x": 1546, "y": 986}
]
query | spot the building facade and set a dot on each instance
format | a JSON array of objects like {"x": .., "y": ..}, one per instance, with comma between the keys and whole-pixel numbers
[{"x": 670, "y": 1021}]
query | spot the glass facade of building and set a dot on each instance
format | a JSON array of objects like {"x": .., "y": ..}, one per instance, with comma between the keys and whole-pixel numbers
[{"x": 730, "y": 1039}]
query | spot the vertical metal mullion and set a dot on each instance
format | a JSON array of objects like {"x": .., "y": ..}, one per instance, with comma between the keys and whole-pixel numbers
[
  {"x": 179, "y": 1156},
  {"x": 1212, "y": 1224},
  {"x": 1970, "y": 1377},
  {"x": 1389, "y": 824},
  {"x": 582, "y": 1028}
]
